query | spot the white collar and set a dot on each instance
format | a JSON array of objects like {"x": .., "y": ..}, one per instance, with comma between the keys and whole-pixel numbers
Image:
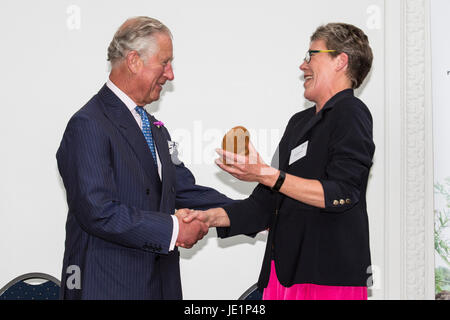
[{"x": 121, "y": 95}]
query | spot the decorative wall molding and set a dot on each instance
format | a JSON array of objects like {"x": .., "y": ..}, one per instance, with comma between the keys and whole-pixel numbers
[
  {"x": 414, "y": 131},
  {"x": 409, "y": 217},
  {"x": 417, "y": 127}
]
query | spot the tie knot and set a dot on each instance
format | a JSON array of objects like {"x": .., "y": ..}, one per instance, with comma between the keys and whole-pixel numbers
[{"x": 139, "y": 110}]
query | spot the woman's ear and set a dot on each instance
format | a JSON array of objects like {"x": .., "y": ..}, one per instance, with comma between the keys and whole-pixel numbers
[{"x": 341, "y": 61}]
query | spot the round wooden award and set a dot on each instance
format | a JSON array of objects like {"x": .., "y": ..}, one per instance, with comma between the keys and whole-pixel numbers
[{"x": 236, "y": 141}]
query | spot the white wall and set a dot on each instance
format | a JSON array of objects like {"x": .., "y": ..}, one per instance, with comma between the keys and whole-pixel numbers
[
  {"x": 441, "y": 97},
  {"x": 441, "y": 82},
  {"x": 236, "y": 63}
]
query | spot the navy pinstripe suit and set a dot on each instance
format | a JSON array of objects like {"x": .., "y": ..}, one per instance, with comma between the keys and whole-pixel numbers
[{"x": 119, "y": 227}]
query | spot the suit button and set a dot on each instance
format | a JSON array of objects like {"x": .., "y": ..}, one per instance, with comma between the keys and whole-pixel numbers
[
  {"x": 342, "y": 202},
  {"x": 335, "y": 202},
  {"x": 147, "y": 191},
  {"x": 348, "y": 201}
]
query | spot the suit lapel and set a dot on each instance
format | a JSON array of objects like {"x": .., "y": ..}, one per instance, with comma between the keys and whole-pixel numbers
[
  {"x": 168, "y": 171},
  {"x": 162, "y": 146},
  {"x": 121, "y": 117},
  {"x": 160, "y": 143}
]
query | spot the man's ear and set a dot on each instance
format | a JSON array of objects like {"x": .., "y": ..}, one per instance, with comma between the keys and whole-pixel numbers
[
  {"x": 341, "y": 61},
  {"x": 133, "y": 61}
]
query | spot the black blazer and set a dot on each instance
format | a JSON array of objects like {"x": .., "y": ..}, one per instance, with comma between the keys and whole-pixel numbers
[{"x": 327, "y": 246}]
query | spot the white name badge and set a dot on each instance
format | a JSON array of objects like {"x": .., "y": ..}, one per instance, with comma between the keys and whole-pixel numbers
[{"x": 298, "y": 153}]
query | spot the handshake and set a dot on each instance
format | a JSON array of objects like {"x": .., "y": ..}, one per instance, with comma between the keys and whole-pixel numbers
[{"x": 194, "y": 224}]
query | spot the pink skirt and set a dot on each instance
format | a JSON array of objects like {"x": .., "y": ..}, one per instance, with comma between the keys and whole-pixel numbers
[{"x": 275, "y": 291}]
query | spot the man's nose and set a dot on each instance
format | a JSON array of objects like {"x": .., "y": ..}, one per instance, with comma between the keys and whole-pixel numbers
[{"x": 168, "y": 72}]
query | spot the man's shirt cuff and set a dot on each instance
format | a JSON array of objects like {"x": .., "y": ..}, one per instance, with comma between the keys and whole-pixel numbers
[{"x": 176, "y": 228}]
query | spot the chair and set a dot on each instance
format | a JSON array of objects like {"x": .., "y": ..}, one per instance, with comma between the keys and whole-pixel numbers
[
  {"x": 31, "y": 286},
  {"x": 252, "y": 293}
]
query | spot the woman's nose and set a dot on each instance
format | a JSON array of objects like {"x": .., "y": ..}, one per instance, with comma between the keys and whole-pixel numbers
[{"x": 303, "y": 66}]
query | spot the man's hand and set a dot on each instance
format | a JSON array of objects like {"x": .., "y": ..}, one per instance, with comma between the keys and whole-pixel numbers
[
  {"x": 189, "y": 233},
  {"x": 216, "y": 217}
]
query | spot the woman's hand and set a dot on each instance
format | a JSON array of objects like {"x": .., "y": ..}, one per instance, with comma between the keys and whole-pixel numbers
[
  {"x": 249, "y": 168},
  {"x": 252, "y": 168}
]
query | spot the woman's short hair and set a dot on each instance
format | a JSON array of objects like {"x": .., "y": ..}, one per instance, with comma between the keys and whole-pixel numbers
[
  {"x": 346, "y": 38},
  {"x": 136, "y": 34}
]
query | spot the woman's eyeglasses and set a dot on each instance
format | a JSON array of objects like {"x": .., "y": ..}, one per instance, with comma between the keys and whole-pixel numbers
[{"x": 310, "y": 53}]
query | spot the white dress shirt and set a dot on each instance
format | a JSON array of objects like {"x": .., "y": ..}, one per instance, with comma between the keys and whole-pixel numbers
[{"x": 131, "y": 105}]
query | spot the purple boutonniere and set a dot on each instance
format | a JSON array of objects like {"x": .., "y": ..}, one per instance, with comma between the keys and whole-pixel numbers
[{"x": 159, "y": 124}]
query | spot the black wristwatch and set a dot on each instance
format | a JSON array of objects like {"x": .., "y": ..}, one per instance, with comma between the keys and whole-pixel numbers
[{"x": 279, "y": 182}]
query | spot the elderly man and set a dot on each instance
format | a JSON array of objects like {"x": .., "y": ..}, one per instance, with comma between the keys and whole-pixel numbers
[{"x": 122, "y": 182}]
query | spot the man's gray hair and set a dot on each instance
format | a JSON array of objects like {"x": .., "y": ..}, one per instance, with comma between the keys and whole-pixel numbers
[{"x": 136, "y": 34}]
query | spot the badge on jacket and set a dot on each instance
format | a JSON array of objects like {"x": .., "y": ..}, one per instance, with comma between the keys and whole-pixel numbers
[
  {"x": 173, "y": 151},
  {"x": 172, "y": 146},
  {"x": 298, "y": 152}
]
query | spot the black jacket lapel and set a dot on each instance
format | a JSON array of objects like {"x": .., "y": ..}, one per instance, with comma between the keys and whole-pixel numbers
[{"x": 295, "y": 135}]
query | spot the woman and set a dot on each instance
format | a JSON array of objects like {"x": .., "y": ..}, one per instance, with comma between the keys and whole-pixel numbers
[{"x": 314, "y": 205}]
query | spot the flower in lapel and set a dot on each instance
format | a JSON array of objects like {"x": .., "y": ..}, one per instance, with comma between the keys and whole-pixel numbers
[{"x": 158, "y": 124}]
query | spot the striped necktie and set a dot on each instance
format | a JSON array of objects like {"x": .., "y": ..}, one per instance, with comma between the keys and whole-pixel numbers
[{"x": 147, "y": 130}]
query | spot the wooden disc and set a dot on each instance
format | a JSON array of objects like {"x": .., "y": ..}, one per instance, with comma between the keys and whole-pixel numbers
[{"x": 236, "y": 141}]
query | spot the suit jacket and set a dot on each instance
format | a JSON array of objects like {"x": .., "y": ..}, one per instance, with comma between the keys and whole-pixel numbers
[
  {"x": 119, "y": 227},
  {"x": 327, "y": 246}
]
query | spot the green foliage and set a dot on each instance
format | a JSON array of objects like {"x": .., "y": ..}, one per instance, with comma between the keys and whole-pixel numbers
[
  {"x": 441, "y": 242},
  {"x": 442, "y": 278}
]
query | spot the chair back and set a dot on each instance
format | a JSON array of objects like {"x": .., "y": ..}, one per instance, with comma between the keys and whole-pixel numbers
[
  {"x": 31, "y": 286},
  {"x": 252, "y": 293}
]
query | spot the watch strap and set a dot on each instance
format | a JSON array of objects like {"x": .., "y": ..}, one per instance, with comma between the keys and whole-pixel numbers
[{"x": 279, "y": 182}]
